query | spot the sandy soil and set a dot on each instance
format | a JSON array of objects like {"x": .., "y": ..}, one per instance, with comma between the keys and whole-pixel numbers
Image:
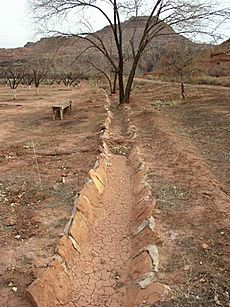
[
  {"x": 36, "y": 153},
  {"x": 186, "y": 147}
]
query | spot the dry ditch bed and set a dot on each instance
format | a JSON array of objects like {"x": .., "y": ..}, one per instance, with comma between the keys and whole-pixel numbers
[{"x": 59, "y": 285}]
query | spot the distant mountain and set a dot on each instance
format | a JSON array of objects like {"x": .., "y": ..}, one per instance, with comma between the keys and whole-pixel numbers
[{"x": 64, "y": 48}]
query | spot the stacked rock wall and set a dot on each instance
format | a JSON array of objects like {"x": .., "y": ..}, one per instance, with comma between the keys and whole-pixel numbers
[
  {"x": 144, "y": 266},
  {"x": 145, "y": 256}
]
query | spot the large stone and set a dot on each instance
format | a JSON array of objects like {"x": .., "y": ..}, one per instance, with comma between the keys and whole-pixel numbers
[
  {"x": 141, "y": 190},
  {"x": 154, "y": 293},
  {"x": 91, "y": 193},
  {"x": 140, "y": 175},
  {"x": 51, "y": 288},
  {"x": 145, "y": 238},
  {"x": 134, "y": 156},
  {"x": 101, "y": 169},
  {"x": 154, "y": 254},
  {"x": 143, "y": 209},
  {"x": 79, "y": 229},
  {"x": 85, "y": 207},
  {"x": 140, "y": 265},
  {"x": 147, "y": 279},
  {"x": 66, "y": 250},
  {"x": 106, "y": 149},
  {"x": 97, "y": 180},
  {"x": 149, "y": 223}
]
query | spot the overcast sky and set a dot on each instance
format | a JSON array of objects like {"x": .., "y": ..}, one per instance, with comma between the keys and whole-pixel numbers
[{"x": 16, "y": 27}]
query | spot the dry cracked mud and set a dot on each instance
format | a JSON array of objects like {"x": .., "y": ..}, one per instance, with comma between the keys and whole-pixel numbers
[{"x": 101, "y": 273}]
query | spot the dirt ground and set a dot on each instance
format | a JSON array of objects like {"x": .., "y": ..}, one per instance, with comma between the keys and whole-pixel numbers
[
  {"x": 186, "y": 147},
  {"x": 43, "y": 165}
]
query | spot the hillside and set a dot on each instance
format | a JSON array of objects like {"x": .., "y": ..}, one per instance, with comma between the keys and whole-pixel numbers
[
  {"x": 62, "y": 47},
  {"x": 215, "y": 59}
]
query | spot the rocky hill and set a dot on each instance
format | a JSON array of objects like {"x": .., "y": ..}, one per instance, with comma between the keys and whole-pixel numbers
[
  {"x": 65, "y": 48},
  {"x": 216, "y": 59},
  {"x": 62, "y": 47}
]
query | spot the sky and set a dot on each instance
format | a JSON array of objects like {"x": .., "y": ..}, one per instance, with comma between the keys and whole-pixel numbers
[{"x": 17, "y": 27}]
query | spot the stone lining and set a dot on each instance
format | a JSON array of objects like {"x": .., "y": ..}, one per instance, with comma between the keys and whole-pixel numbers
[{"x": 146, "y": 289}]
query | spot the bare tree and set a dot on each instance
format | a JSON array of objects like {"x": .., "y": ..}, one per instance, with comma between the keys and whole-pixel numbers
[
  {"x": 184, "y": 15},
  {"x": 180, "y": 64},
  {"x": 14, "y": 75},
  {"x": 39, "y": 65},
  {"x": 100, "y": 67},
  {"x": 39, "y": 70},
  {"x": 69, "y": 68},
  {"x": 69, "y": 77},
  {"x": 28, "y": 78}
]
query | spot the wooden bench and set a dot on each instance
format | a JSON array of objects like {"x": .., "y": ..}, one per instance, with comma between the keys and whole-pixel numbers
[{"x": 60, "y": 109}]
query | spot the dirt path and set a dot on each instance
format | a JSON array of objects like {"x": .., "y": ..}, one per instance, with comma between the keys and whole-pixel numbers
[{"x": 101, "y": 275}]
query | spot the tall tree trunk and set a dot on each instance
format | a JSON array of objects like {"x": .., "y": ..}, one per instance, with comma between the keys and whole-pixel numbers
[{"x": 129, "y": 84}]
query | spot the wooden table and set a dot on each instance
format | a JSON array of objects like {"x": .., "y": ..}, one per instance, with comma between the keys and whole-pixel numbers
[{"x": 61, "y": 108}]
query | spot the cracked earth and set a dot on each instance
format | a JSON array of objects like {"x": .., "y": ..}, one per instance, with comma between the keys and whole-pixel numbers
[
  {"x": 102, "y": 275},
  {"x": 102, "y": 272}
]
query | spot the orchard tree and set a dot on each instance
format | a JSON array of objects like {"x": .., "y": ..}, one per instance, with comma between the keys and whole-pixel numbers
[
  {"x": 38, "y": 66},
  {"x": 39, "y": 70},
  {"x": 99, "y": 67},
  {"x": 28, "y": 78},
  {"x": 69, "y": 77},
  {"x": 13, "y": 74},
  {"x": 185, "y": 16},
  {"x": 69, "y": 68},
  {"x": 180, "y": 64}
]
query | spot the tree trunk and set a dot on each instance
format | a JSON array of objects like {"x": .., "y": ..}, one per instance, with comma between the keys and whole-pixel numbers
[
  {"x": 114, "y": 83},
  {"x": 129, "y": 84},
  {"x": 182, "y": 90},
  {"x": 14, "y": 92},
  {"x": 109, "y": 81},
  {"x": 121, "y": 88}
]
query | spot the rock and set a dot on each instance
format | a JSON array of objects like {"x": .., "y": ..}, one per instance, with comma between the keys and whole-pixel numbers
[
  {"x": 10, "y": 222},
  {"x": 147, "y": 279},
  {"x": 187, "y": 267}
]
